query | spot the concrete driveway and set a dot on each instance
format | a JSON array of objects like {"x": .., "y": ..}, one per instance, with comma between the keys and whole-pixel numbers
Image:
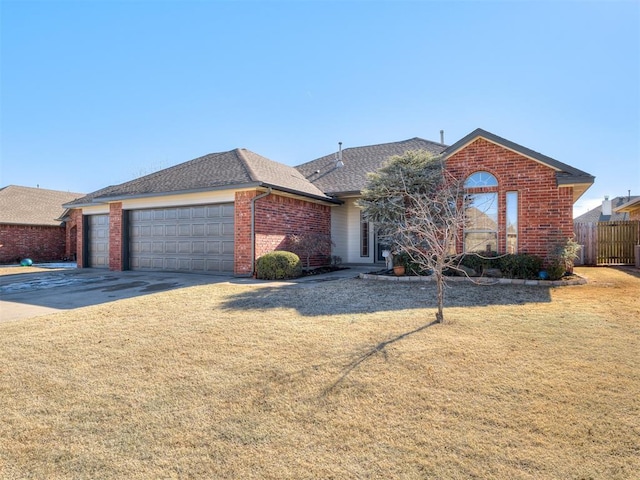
[
  {"x": 28, "y": 295},
  {"x": 40, "y": 293}
]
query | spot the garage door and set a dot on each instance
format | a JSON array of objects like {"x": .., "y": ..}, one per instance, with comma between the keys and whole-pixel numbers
[
  {"x": 99, "y": 241},
  {"x": 189, "y": 239}
]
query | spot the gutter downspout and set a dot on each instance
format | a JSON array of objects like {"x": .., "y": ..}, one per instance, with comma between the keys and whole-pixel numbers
[{"x": 253, "y": 228}]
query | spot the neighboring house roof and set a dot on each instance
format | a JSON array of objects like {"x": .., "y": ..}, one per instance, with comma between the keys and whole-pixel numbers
[
  {"x": 595, "y": 215},
  {"x": 239, "y": 168},
  {"x": 565, "y": 174},
  {"x": 351, "y": 178},
  {"x": 33, "y": 206},
  {"x": 632, "y": 204}
]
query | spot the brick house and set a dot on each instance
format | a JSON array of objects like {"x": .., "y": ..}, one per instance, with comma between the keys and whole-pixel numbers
[
  {"x": 609, "y": 211},
  {"x": 30, "y": 224},
  {"x": 213, "y": 214},
  {"x": 631, "y": 208},
  {"x": 220, "y": 212}
]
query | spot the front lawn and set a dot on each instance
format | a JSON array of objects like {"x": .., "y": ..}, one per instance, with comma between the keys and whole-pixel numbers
[{"x": 337, "y": 379}]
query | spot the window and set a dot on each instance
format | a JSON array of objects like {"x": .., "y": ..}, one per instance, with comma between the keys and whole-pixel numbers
[
  {"x": 481, "y": 232},
  {"x": 480, "y": 179},
  {"x": 512, "y": 222},
  {"x": 364, "y": 236}
]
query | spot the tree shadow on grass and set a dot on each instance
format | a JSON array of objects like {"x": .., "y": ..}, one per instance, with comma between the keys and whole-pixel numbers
[
  {"x": 380, "y": 347},
  {"x": 355, "y": 296},
  {"x": 629, "y": 270}
]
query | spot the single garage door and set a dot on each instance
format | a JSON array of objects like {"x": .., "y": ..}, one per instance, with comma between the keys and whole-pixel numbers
[
  {"x": 99, "y": 241},
  {"x": 195, "y": 239}
]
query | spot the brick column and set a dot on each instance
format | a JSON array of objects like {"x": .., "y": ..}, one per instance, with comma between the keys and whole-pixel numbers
[
  {"x": 242, "y": 237},
  {"x": 115, "y": 237},
  {"x": 78, "y": 220}
]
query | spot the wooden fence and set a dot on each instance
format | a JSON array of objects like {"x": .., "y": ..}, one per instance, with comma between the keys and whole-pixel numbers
[{"x": 607, "y": 243}]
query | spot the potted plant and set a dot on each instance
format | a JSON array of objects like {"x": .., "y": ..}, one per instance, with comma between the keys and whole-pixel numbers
[{"x": 400, "y": 261}]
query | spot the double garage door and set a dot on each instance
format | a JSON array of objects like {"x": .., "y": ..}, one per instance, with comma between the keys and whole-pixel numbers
[{"x": 197, "y": 239}]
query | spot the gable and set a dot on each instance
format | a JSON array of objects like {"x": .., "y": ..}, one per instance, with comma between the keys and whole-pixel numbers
[
  {"x": 234, "y": 170},
  {"x": 565, "y": 175}
]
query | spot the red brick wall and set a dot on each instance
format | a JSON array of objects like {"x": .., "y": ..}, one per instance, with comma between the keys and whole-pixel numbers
[
  {"x": 78, "y": 222},
  {"x": 276, "y": 217},
  {"x": 545, "y": 212},
  {"x": 242, "y": 226},
  {"x": 39, "y": 243},
  {"x": 115, "y": 236},
  {"x": 75, "y": 239},
  {"x": 73, "y": 235}
]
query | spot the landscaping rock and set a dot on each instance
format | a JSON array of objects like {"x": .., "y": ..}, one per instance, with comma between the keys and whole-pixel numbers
[
  {"x": 463, "y": 271},
  {"x": 492, "y": 273}
]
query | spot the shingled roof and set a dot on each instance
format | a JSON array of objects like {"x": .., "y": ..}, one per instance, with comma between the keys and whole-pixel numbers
[
  {"x": 33, "y": 206},
  {"x": 595, "y": 215},
  {"x": 239, "y": 168},
  {"x": 358, "y": 161}
]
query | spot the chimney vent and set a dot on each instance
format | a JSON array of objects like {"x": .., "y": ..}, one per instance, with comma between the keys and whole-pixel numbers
[
  {"x": 339, "y": 162},
  {"x": 442, "y": 137}
]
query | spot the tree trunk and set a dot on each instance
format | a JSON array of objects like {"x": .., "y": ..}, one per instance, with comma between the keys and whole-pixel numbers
[{"x": 440, "y": 296}]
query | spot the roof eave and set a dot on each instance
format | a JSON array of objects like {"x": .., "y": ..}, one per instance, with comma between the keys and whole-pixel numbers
[
  {"x": 580, "y": 184},
  {"x": 565, "y": 180},
  {"x": 629, "y": 206},
  {"x": 34, "y": 224},
  {"x": 322, "y": 198},
  {"x": 116, "y": 198},
  {"x": 347, "y": 193}
]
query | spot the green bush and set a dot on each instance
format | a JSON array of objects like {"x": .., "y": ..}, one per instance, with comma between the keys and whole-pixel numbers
[
  {"x": 480, "y": 261},
  {"x": 520, "y": 265},
  {"x": 556, "y": 270},
  {"x": 278, "y": 265}
]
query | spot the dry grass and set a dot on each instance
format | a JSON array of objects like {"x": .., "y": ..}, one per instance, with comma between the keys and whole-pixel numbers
[
  {"x": 294, "y": 382},
  {"x": 19, "y": 270}
]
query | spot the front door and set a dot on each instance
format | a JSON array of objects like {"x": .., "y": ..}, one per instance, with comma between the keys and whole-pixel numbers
[{"x": 379, "y": 247}]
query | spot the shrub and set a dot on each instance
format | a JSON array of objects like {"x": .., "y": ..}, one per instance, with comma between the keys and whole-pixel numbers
[
  {"x": 311, "y": 244},
  {"x": 278, "y": 265},
  {"x": 480, "y": 261},
  {"x": 556, "y": 270},
  {"x": 567, "y": 252},
  {"x": 520, "y": 265}
]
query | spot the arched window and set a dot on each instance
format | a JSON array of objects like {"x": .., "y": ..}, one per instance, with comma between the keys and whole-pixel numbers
[
  {"x": 480, "y": 179},
  {"x": 481, "y": 230}
]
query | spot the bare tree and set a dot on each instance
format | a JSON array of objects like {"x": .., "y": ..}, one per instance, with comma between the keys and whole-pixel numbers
[
  {"x": 311, "y": 244},
  {"x": 418, "y": 208}
]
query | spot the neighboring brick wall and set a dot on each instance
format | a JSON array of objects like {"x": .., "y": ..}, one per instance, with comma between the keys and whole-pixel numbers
[
  {"x": 276, "y": 217},
  {"x": 39, "y": 243},
  {"x": 115, "y": 237},
  {"x": 545, "y": 212}
]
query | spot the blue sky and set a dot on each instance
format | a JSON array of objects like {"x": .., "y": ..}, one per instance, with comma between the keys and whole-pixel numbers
[{"x": 96, "y": 93}]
